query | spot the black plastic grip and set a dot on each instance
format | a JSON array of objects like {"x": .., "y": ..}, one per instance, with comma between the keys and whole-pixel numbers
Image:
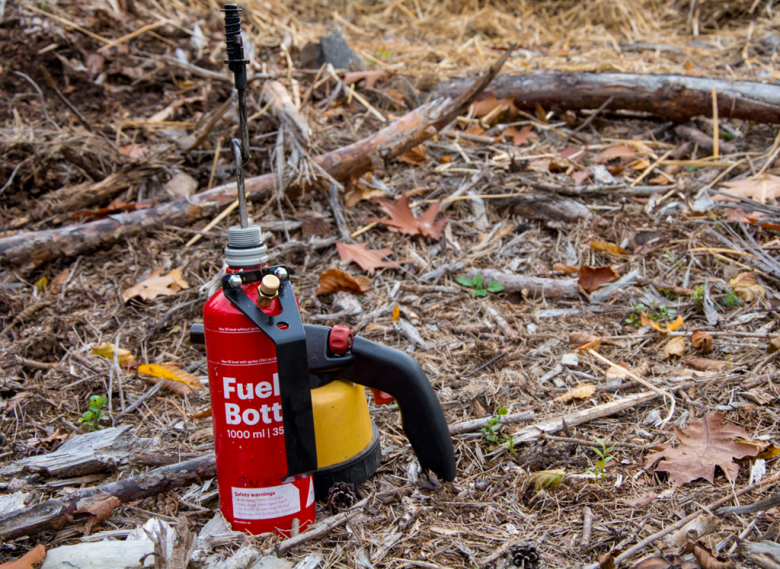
[{"x": 422, "y": 417}]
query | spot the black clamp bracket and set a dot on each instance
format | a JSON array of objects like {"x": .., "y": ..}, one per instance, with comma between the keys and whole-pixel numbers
[{"x": 287, "y": 333}]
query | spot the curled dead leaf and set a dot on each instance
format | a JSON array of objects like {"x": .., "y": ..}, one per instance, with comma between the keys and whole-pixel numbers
[
  {"x": 415, "y": 156},
  {"x": 489, "y": 104},
  {"x": 26, "y": 561},
  {"x": 675, "y": 347},
  {"x": 747, "y": 287},
  {"x": 334, "y": 280},
  {"x": 622, "y": 151},
  {"x": 584, "y": 341},
  {"x": 125, "y": 358},
  {"x": 774, "y": 345},
  {"x": 765, "y": 188},
  {"x": 607, "y": 247},
  {"x": 171, "y": 371},
  {"x": 314, "y": 225},
  {"x": 706, "y": 559},
  {"x": 591, "y": 278},
  {"x": 564, "y": 268},
  {"x": 371, "y": 77},
  {"x": 704, "y": 364},
  {"x": 702, "y": 342},
  {"x": 582, "y": 392},
  {"x": 100, "y": 505},
  {"x": 519, "y": 137},
  {"x": 55, "y": 286}
]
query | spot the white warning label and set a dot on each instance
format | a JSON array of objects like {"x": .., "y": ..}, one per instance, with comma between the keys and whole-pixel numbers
[{"x": 266, "y": 503}]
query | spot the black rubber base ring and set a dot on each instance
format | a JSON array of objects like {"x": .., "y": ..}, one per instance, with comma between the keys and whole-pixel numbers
[{"x": 357, "y": 469}]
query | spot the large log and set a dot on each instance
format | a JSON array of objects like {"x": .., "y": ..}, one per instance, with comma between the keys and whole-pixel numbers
[
  {"x": 54, "y": 514},
  {"x": 31, "y": 249},
  {"x": 675, "y": 97}
]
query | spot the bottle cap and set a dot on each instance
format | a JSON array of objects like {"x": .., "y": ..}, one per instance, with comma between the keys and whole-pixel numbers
[{"x": 245, "y": 247}]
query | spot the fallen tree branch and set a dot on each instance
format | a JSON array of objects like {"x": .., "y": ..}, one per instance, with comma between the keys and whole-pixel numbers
[
  {"x": 475, "y": 424},
  {"x": 54, "y": 514},
  {"x": 675, "y": 97},
  {"x": 31, "y": 249}
]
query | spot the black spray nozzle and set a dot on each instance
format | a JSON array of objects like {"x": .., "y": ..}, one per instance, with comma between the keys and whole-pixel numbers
[
  {"x": 237, "y": 64},
  {"x": 235, "y": 47}
]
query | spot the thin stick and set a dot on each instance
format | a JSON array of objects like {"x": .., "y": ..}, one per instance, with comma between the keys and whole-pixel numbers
[
  {"x": 651, "y": 168},
  {"x": 214, "y": 165},
  {"x": 592, "y": 117},
  {"x": 647, "y": 384},
  {"x": 715, "y": 125},
  {"x": 474, "y": 424},
  {"x": 587, "y": 526},
  {"x": 710, "y": 507},
  {"x": 317, "y": 530},
  {"x": 132, "y": 35}
]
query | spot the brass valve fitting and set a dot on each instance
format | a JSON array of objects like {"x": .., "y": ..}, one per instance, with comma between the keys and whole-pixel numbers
[{"x": 268, "y": 290}]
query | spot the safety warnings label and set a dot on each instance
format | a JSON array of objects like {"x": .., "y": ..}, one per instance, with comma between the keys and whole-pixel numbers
[{"x": 266, "y": 503}]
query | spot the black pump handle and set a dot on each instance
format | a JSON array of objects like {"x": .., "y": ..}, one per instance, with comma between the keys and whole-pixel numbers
[{"x": 397, "y": 373}]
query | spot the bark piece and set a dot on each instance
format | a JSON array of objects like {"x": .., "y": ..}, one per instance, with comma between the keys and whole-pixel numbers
[
  {"x": 101, "y": 451},
  {"x": 54, "y": 514},
  {"x": 676, "y": 97},
  {"x": 100, "y": 555},
  {"x": 32, "y": 249}
]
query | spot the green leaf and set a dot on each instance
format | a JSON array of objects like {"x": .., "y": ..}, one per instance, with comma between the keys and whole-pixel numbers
[
  {"x": 480, "y": 292},
  {"x": 474, "y": 293},
  {"x": 502, "y": 411},
  {"x": 495, "y": 286},
  {"x": 464, "y": 281},
  {"x": 477, "y": 280}
]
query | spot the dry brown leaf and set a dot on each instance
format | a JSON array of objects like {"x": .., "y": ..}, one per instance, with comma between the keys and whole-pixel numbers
[
  {"x": 582, "y": 392},
  {"x": 35, "y": 555},
  {"x": 181, "y": 185},
  {"x": 519, "y": 137},
  {"x": 621, "y": 370},
  {"x": 701, "y": 341},
  {"x": 675, "y": 347},
  {"x": 415, "y": 156},
  {"x": 334, "y": 280},
  {"x": 653, "y": 563},
  {"x": 134, "y": 151},
  {"x": 489, "y": 104},
  {"x": 55, "y": 286},
  {"x": 620, "y": 151},
  {"x": 314, "y": 225},
  {"x": 774, "y": 345},
  {"x": 645, "y": 320},
  {"x": 584, "y": 341},
  {"x": 100, "y": 505},
  {"x": 358, "y": 195},
  {"x": 704, "y": 364},
  {"x": 705, "y": 444},
  {"x": 579, "y": 176},
  {"x": 156, "y": 285},
  {"x": 607, "y": 247},
  {"x": 402, "y": 219},
  {"x": 763, "y": 189},
  {"x": 476, "y": 130},
  {"x": 368, "y": 260},
  {"x": 371, "y": 77},
  {"x": 706, "y": 559},
  {"x": 547, "y": 478},
  {"x": 564, "y": 268},
  {"x": 169, "y": 385},
  {"x": 747, "y": 287},
  {"x": 592, "y": 278}
]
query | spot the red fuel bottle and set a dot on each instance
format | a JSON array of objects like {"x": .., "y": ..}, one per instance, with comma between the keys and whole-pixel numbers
[{"x": 248, "y": 427}]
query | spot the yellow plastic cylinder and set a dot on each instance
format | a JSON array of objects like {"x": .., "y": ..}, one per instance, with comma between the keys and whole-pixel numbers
[{"x": 342, "y": 425}]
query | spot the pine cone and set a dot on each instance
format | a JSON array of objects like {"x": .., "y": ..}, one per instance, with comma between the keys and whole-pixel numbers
[
  {"x": 525, "y": 556},
  {"x": 341, "y": 496}
]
